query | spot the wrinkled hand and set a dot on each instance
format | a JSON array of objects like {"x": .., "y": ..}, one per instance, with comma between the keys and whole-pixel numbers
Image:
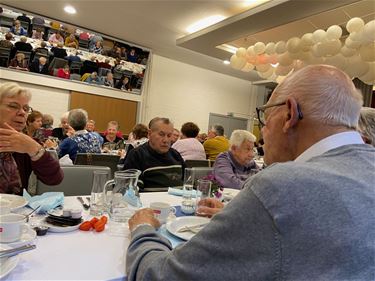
[
  {"x": 209, "y": 207},
  {"x": 50, "y": 144},
  {"x": 70, "y": 132},
  {"x": 143, "y": 216},
  {"x": 14, "y": 141}
]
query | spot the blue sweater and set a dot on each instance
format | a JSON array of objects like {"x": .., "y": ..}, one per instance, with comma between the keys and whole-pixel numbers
[{"x": 292, "y": 221}]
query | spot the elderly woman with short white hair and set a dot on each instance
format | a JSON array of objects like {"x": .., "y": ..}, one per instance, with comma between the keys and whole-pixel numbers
[
  {"x": 233, "y": 167},
  {"x": 366, "y": 125}
]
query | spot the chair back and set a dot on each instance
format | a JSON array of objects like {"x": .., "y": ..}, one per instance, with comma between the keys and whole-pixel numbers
[
  {"x": 4, "y": 56},
  {"x": 25, "y": 25},
  {"x": 83, "y": 44},
  {"x": 27, "y": 56},
  {"x": 37, "y": 56},
  {"x": 56, "y": 63},
  {"x": 77, "y": 181},
  {"x": 103, "y": 71},
  {"x": 5, "y": 21},
  {"x": 75, "y": 76},
  {"x": 75, "y": 66},
  {"x": 98, "y": 159},
  {"x": 197, "y": 163},
  {"x": 160, "y": 178}
]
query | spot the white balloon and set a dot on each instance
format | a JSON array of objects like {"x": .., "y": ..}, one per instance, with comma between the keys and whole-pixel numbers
[
  {"x": 259, "y": 48},
  {"x": 237, "y": 62},
  {"x": 248, "y": 67},
  {"x": 348, "y": 52},
  {"x": 338, "y": 60},
  {"x": 369, "y": 30},
  {"x": 332, "y": 47},
  {"x": 284, "y": 59},
  {"x": 280, "y": 79},
  {"x": 280, "y": 47},
  {"x": 334, "y": 32},
  {"x": 369, "y": 77},
  {"x": 295, "y": 56},
  {"x": 263, "y": 67},
  {"x": 293, "y": 45},
  {"x": 356, "y": 36},
  {"x": 352, "y": 44},
  {"x": 241, "y": 52},
  {"x": 354, "y": 25},
  {"x": 319, "y": 36},
  {"x": 307, "y": 39},
  {"x": 270, "y": 48},
  {"x": 357, "y": 67},
  {"x": 267, "y": 73},
  {"x": 298, "y": 64},
  {"x": 250, "y": 51},
  {"x": 315, "y": 60},
  {"x": 305, "y": 56},
  {"x": 318, "y": 50},
  {"x": 283, "y": 70},
  {"x": 367, "y": 52}
]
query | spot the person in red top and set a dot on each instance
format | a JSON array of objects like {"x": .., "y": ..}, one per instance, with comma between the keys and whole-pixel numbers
[{"x": 64, "y": 72}]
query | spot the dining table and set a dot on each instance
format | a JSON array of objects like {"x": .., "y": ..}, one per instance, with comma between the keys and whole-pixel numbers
[{"x": 84, "y": 255}]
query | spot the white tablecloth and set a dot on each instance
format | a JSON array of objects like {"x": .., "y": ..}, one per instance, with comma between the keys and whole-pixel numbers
[{"x": 80, "y": 255}]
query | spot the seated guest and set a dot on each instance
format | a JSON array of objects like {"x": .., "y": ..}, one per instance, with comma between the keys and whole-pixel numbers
[
  {"x": 47, "y": 126},
  {"x": 188, "y": 146},
  {"x": 90, "y": 127},
  {"x": 104, "y": 64},
  {"x": 108, "y": 80},
  {"x": 93, "y": 78},
  {"x": 42, "y": 49},
  {"x": 84, "y": 36},
  {"x": 6, "y": 43},
  {"x": 366, "y": 125},
  {"x": 37, "y": 33},
  {"x": 111, "y": 140},
  {"x": 97, "y": 48},
  {"x": 115, "y": 52},
  {"x": 64, "y": 130},
  {"x": 202, "y": 137},
  {"x": 309, "y": 216},
  {"x": 81, "y": 141},
  {"x": 59, "y": 51},
  {"x": 154, "y": 153},
  {"x": 19, "y": 62},
  {"x": 93, "y": 39},
  {"x": 33, "y": 124},
  {"x": 232, "y": 168},
  {"x": 55, "y": 24},
  {"x": 17, "y": 29},
  {"x": 89, "y": 66},
  {"x": 175, "y": 136},
  {"x": 124, "y": 54},
  {"x": 56, "y": 38},
  {"x": 139, "y": 135},
  {"x": 216, "y": 142},
  {"x": 64, "y": 72},
  {"x": 73, "y": 57},
  {"x": 22, "y": 45},
  {"x": 123, "y": 84},
  {"x": 19, "y": 154},
  {"x": 39, "y": 66},
  {"x": 25, "y": 19},
  {"x": 71, "y": 41},
  {"x": 132, "y": 56}
]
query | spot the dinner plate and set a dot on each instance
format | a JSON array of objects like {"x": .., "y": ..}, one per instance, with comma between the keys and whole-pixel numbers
[
  {"x": 15, "y": 201},
  {"x": 7, "y": 264},
  {"x": 26, "y": 238},
  {"x": 174, "y": 225},
  {"x": 56, "y": 228}
]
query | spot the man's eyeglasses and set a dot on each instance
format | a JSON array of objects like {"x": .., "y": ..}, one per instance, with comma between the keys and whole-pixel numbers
[
  {"x": 17, "y": 107},
  {"x": 261, "y": 112}
]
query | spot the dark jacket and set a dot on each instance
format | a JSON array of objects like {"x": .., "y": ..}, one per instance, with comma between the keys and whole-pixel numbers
[{"x": 35, "y": 67}]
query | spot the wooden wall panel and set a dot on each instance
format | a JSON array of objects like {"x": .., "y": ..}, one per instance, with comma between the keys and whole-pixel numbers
[{"x": 104, "y": 109}]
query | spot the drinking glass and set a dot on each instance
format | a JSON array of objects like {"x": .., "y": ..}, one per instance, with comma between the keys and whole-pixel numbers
[
  {"x": 203, "y": 191},
  {"x": 187, "y": 204},
  {"x": 97, "y": 200}
]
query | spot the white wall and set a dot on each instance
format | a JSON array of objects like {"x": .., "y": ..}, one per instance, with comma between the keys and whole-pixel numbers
[{"x": 185, "y": 93}]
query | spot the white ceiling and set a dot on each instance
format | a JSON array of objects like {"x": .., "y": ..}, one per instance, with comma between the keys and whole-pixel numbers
[{"x": 158, "y": 24}]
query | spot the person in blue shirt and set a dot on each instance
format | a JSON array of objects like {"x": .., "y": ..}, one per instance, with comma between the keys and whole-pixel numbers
[{"x": 17, "y": 29}]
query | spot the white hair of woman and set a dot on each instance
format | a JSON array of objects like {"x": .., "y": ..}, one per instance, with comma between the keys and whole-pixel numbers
[
  {"x": 366, "y": 124},
  {"x": 10, "y": 90},
  {"x": 334, "y": 101},
  {"x": 239, "y": 136},
  {"x": 64, "y": 116}
]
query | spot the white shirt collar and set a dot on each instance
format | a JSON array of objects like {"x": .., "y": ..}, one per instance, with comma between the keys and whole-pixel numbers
[{"x": 329, "y": 143}]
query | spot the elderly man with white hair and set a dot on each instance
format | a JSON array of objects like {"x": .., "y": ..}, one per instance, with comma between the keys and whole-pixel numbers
[
  {"x": 233, "y": 167},
  {"x": 366, "y": 125},
  {"x": 308, "y": 216}
]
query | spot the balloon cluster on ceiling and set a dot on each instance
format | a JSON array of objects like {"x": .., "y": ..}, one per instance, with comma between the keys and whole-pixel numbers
[{"x": 354, "y": 54}]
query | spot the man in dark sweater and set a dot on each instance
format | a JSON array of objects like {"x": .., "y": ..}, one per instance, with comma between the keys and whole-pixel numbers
[
  {"x": 39, "y": 66},
  {"x": 157, "y": 152}
]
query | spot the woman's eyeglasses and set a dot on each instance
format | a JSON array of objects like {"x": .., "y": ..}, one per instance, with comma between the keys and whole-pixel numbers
[{"x": 17, "y": 107}]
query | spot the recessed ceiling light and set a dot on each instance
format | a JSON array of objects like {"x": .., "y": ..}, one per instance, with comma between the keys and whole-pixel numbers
[
  {"x": 203, "y": 23},
  {"x": 226, "y": 62},
  {"x": 70, "y": 9}
]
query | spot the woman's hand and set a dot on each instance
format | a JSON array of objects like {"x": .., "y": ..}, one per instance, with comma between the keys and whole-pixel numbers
[{"x": 209, "y": 207}]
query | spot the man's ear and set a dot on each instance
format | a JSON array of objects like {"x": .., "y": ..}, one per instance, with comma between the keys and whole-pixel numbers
[
  {"x": 149, "y": 133},
  {"x": 292, "y": 114}
]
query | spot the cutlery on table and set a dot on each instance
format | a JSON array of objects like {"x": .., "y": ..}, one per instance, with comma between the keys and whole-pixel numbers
[
  {"x": 16, "y": 251},
  {"x": 85, "y": 206},
  {"x": 192, "y": 228}
]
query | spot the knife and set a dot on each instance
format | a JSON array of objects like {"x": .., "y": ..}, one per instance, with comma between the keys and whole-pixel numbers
[
  {"x": 85, "y": 206},
  {"x": 16, "y": 251}
]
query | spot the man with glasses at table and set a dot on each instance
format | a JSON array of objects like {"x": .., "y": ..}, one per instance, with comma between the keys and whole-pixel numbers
[
  {"x": 19, "y": 153},
  {"x": 308, "y": 216}
]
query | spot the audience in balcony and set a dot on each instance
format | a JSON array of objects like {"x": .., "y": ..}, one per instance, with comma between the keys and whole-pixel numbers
[
  {"x": 132, "y": 56},
  {"x": 24, "y": 18},
  {"x": 37, "y": 33},
  {"x": 97, "y": 48},
  {"x": 73, "y": 57},
  {"x": 64, "y": 72},
  {"x": 108, "y": 80},
  {"x": 59, "y": 51},
  {"x": 89, "y": 66},
  {"x": 39, "y": 66},
  {"x": 19, "y": 62},
  {"x": 93, "y": 39},
  {"x": 124, "y": 84},
  {"x": 71, "y": 41},
  {"x": 22, "y": 45},
  {"x": 42, "y": 49},
  {"x": 56, "y": 38},
  {"x": 17, "y": 29},
  {"x": 104, "y": 64},
  {"x": 6, "y": 43},
  {"x": 38, "y": 21},
  {"x": 93, "y": 78}
]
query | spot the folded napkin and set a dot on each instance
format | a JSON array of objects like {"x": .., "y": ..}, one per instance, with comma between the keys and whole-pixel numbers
[
  {"x": 180, "y": 192},
  {"x": 132, "y": 199},
  {"x": 47, "y": 201}
]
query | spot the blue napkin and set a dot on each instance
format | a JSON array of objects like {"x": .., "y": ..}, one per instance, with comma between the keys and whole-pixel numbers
[
  {"x": 132, "y": 199},
  {"x": 179, "y": 192},
  {"x": 47, "y": 201}
]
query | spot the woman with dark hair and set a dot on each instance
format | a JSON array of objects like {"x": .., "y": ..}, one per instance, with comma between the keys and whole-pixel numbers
[
  {"x": 188, "y": 145},
  {"x": 33, "y": 124},
  {"x": 124, "y": 84}
]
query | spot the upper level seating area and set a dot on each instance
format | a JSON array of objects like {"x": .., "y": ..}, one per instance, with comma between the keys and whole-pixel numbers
[{"x": 70, "y": 53}]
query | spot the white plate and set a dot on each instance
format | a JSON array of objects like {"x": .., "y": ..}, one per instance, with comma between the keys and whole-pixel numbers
[
  {"x": 174, "y": 225},
  {"x": 26, "y": 238},
  {"x": 55, "y": 228},
  {"x": 7, "y": 264},
  {"x": 14, "y": 200}
]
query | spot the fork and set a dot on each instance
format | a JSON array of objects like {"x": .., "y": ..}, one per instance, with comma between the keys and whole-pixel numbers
[{"x": 85, "y": 206}]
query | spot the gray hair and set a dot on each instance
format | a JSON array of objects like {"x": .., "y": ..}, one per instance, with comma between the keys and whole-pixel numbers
[
  {"x": 218, "y": 129},
  {"x": 77, "y": 118},
  {"x": 47, "y": 120},
  {"x": 366, "y": 124},
  {"x": 325, "y": 93},
  {"x": 11, "y": 90},
  {"x": 239, "y": 136},
  {"x": 64, "y": 116},
  {"x": 154, "y": 121}
]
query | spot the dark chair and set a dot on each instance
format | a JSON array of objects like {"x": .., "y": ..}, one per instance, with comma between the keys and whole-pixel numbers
[
  {"x": 158, "y": 179},
  {"x": 197, "y": 163},
  {"x": 128, "y": 74},
  {"x": 5, "y": 21},
  {"x": 103, "y": 71},
  {"x": 138, "y": 85},
  {"x": 83, "y": 44},
  {"x": 4, "y": 56},
  {"x": 75, "y": 67},
  {"x": 37, "y": 56},
  {"x": 106, "y": 160},
  {"x": 77, "y": 180},
  {"x": 56, "y": 63},
  {"x": 25, "y": 25}
]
